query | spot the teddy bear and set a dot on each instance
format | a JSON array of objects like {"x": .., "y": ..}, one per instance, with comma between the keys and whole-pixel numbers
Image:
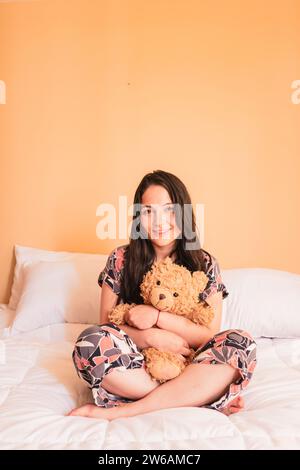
[{"x": 172, "y": 288}]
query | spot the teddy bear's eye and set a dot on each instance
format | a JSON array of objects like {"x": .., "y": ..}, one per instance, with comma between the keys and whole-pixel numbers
[
  {"x": 175, "y": 294},
  {"x": 158, "y": 283}
]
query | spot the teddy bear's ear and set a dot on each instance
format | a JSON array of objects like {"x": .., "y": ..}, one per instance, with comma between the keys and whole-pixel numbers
[{"x": 200, "y": 281}]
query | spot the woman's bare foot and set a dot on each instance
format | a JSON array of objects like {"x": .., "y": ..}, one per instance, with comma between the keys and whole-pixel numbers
[
  {"x": 234, "y": 406},
  {"x": 84, "y": 410},
  {"x": 93, "y": 411}
]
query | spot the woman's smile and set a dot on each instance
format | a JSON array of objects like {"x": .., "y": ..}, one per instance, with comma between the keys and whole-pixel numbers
[{"x": 160, "y": 232}]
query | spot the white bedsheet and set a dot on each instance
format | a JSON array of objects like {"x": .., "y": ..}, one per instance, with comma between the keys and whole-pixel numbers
[{"x": 38, "y": 385}]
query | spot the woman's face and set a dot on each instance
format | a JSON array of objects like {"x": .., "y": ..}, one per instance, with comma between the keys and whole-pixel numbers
[{"x": 158, "y": 216}]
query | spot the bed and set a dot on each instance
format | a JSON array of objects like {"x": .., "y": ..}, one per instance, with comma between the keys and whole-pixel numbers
[{"x": 39, "y": 386}]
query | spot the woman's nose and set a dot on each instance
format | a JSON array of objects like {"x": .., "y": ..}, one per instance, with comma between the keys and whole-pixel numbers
[{"x": 162, "y": 296}]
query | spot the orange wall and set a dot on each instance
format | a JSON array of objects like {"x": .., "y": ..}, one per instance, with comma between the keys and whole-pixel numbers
[{"x": 100, "y": 92}]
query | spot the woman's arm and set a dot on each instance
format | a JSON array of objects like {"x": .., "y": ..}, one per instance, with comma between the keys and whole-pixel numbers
[
  {"x": 159, "y": 339},
  {"x": 108, "y": 303},
  {"x": 143, "y": 337},
  {"x": 139, "y": 337},
  {"x": 195, "y": 335}
]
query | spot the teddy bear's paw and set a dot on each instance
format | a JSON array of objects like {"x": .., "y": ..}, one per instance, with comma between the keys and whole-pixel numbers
[
  {"x": 163, "y": 365},
  {"x": 202, "y": 315},
  {"x": 207, "y": 315},
  {"x": 118, "y": 313},
  {"x": 164, "y": 372},
  {"x": 200, "y": 280}
]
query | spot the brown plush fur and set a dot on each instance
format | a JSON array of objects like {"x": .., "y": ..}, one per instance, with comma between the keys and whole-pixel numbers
[{"x": 166, "y": 279}]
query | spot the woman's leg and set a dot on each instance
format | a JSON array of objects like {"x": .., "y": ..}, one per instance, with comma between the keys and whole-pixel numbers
[
  {"x": 111, "y": 363},
  {"x": 134, "y": 383},
  {"x": 199, "y": 384},
  {"x": 221, "y": 369}
]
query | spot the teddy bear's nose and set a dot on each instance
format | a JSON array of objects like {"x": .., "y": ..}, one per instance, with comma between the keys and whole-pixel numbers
[{"x": 162, "y": 296}]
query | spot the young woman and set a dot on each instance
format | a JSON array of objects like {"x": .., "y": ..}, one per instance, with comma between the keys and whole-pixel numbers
[{"x": 109, "y": 358}]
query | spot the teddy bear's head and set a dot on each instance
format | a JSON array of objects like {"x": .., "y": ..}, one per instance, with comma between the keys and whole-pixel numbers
[{"x": 173, "y": 288}]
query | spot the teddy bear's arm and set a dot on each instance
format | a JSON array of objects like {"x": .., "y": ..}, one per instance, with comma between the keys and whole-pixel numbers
[
  {"x": 202, "y": 314},
  {"x": 117, "y": 314},
  {"x": 163, "y": 365}
]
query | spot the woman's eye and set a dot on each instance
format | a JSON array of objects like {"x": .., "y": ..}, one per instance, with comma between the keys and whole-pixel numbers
[
  {"x": 158, "y": 283},
  {"x": 146, "y": 211},
  {"x": 175, "y": 294}
]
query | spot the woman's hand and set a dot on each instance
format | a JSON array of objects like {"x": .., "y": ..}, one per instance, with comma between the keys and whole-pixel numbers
[
  {"x": 234, "y": 406},
  {"x": 167, "y": 341},
  {"x": 141, "y": 316}
]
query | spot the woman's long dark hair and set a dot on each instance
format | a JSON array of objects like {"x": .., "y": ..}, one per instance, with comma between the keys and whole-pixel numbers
[{"x": 139, "y": 254}]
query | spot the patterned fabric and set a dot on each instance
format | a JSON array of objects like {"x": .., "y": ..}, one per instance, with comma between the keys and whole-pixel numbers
[
  {"x": 236, "y": 348},
  {"x": 101, "y": 348},
  {"x": 111, "y": 274},
  {"x": 212, "y": 271}
]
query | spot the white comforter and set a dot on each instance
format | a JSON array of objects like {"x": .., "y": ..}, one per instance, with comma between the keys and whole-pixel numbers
[{"x": 38, "y": 385}]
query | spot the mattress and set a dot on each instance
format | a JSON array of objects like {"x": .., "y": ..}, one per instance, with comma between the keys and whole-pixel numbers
[{"x": 39, "y": 385}]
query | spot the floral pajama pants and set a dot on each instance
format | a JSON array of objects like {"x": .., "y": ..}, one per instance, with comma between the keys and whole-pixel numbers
[{"x": 100, "y": 349}]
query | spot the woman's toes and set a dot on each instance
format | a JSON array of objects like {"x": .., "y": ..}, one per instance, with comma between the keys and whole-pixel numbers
[
  {"x": 72, "y": 412},
  {"x": 85, "y": 410},
  {"x": 241, "y": 402}
]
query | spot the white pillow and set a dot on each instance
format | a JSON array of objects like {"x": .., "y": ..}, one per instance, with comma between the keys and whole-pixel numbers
[
  {"x": 264, "y": 302},
  {"x": 26, "y": 255},
  {"x": 59, "y": 291}
]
